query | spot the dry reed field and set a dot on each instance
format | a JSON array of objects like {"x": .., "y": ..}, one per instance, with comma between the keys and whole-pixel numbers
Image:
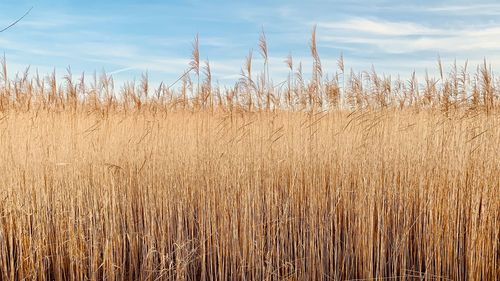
[{"x": 357, "y": 177}]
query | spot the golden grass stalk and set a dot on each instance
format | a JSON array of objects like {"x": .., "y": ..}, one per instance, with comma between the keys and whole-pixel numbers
[{"x": 217, "y": 196}]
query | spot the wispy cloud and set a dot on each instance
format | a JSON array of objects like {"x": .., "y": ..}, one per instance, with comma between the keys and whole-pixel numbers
[
  {"x": 473, "y": 9},
  {"x": 381, "y": 27},
  {"x": 408, "y": 37}
]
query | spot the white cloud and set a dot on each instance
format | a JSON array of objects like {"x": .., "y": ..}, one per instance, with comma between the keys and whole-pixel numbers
[
  {"x": 408, "y": 37},
  {"x": 378, "y": 27},
  {"x": 469, "y": 10}
]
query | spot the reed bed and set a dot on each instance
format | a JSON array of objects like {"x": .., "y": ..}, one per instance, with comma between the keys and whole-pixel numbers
[{"x": 358, "y": 177}]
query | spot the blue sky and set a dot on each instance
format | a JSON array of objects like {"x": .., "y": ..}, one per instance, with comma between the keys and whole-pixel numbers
[{"x": 127, "y": 38}]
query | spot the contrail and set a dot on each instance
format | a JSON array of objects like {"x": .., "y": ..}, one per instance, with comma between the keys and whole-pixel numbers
[{"x": 121, "y": 70}]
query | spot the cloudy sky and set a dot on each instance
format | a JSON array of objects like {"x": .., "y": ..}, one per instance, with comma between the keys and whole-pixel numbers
[{"x": 130, "y": 37}]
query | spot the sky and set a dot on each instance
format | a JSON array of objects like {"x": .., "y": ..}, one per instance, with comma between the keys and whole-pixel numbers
[{"x": 127, "y": 38}]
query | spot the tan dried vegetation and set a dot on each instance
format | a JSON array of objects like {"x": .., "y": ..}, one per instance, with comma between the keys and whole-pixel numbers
[{"x": 356, "y": 177}]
